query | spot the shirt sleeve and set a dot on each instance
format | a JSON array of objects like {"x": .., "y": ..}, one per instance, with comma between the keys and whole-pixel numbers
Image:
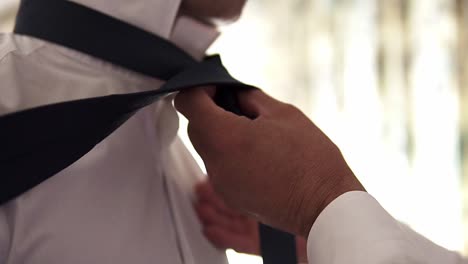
[{"x": 355, "y": 229}]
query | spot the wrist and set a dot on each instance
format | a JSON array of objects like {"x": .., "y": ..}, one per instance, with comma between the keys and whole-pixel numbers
[{"x": 315, "y": 200}]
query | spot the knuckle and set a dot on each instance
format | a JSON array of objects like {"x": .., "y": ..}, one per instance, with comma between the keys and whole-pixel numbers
[
  {"x": 285, "y": 110},
  {"x": 198, "y": 139},
  {"x": 290, "y": 109},
  {"x": 191, "y": 132},
  {"x": 180, "y": 101}
]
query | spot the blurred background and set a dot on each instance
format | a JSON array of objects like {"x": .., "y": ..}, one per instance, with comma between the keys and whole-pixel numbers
[{"x": 387, "y": 80}]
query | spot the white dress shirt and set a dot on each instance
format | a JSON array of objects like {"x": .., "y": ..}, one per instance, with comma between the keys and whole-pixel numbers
[
  {"x": 129, "y": 200},
  {"x": 355, "y": 229}
]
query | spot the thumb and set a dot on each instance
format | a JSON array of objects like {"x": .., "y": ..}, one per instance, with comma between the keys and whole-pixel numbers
[
  {"x": 195, "y": 103},
  {"x": 209, "y": 124},
  {"x": 255, "y": 103}
]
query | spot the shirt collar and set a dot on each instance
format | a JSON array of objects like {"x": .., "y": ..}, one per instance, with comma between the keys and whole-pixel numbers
[
  {"x": 160, "y": 17},
  {"x": 193, "y": 36}
]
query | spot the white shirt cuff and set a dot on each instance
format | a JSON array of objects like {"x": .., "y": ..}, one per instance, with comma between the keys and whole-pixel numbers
[{"x": 354, "y": 229}]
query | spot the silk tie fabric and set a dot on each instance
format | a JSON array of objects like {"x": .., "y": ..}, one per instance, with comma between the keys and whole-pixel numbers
[{"x": 37, "y": 143}]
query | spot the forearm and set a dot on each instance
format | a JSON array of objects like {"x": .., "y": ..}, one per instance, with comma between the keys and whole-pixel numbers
[{"x": 356, "y": 229}]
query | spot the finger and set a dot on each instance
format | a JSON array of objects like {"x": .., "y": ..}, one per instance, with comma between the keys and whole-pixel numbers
[
  {"x": 197, "y": 105},
  {"x": 212, "y": 130},
  {"x": 205, "y": 193},
  {"x": 209, "y": 216},
  {"x": 224, "y": 239},
  {"x": 255, "y": 103},
  {"x": 219, "y": 237}
]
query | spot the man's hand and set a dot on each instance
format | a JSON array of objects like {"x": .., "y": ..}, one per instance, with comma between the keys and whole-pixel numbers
[
  {"x": 278, "y": 167},
  {"x": 223, "y": 226},
  {"x": 227, "y": 228}
]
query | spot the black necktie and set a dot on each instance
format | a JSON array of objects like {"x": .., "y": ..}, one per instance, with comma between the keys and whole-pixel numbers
[{"x": 37, "y": 143}]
